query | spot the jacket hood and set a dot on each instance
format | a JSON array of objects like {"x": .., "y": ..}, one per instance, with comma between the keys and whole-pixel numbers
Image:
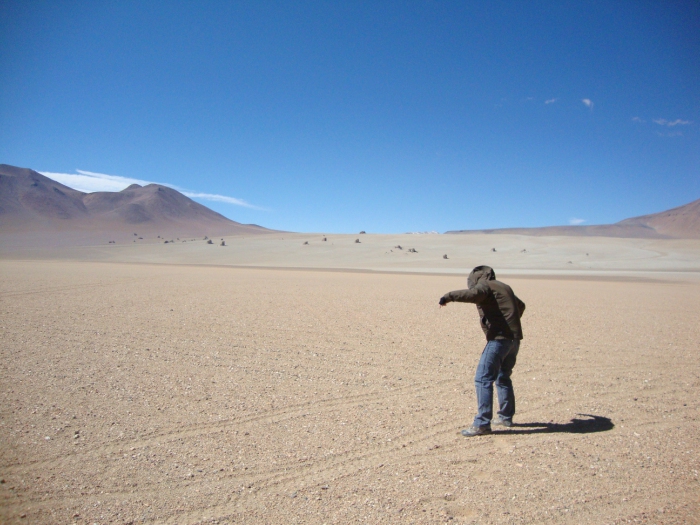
[{"x": 481, "y": 273}]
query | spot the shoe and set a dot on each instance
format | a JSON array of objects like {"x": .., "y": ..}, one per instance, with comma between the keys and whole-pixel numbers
[
  {"x": 502, "y": 422},
  {"x": 476, "y": 431}
]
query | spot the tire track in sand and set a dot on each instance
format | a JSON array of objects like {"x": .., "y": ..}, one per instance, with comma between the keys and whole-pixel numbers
[
  {"x": 191, "y": 431},
  {"x": 290, "y": 474}
]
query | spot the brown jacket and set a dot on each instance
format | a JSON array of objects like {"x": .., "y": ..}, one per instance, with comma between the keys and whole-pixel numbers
[{"x": 499, "y": 308}]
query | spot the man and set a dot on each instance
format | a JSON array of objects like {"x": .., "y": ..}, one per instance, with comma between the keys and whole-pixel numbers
[{"x": 500, "y": 311}]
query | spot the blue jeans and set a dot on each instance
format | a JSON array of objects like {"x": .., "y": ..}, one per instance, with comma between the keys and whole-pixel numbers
[{"x": 495, "y": 366}]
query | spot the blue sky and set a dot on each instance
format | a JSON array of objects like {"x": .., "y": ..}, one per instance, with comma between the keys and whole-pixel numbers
[{"x": 379, "y": 116}]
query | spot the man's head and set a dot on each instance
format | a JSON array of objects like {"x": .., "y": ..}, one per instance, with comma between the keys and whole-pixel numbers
[{"x": 481, "y": 273}]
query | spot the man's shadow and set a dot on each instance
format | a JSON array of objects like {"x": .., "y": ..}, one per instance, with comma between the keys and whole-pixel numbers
[{"x": 575, "y": 426}]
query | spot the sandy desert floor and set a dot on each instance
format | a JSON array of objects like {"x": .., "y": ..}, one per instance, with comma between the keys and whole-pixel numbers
[
  {"x": 512, "y": 253},
  {"x": 150, "y": 393}
]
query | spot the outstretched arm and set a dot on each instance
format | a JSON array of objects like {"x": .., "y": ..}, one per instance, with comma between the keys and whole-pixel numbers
[{"x": 472, "y": 295}]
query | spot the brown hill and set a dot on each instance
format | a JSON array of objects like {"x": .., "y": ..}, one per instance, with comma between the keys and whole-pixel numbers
[
  {"x": 678, "y": 223},
  {"x": 28, "y": 197},
  {"x": 32, "y": 202}
]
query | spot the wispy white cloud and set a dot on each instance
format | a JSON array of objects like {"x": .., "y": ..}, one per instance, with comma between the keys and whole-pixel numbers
[
  {"x": 219, "y": 198},
  {"x": 551, "y": 101},
  {"x": 575, "y": 222},
  {"x": 90, "y": 182},
  {"x": 671, "y": 123},
  {"x": 637, "y": 119},
  {"x": 588, "y": 102}
]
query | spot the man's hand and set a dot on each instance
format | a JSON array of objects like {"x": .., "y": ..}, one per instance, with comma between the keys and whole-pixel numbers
[{"x": 443, "y": 301}]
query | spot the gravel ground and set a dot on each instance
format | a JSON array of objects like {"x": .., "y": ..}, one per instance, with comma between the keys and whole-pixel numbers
[{"x": 179, "y": 394}]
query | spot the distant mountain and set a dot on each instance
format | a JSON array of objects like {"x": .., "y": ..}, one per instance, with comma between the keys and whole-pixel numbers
[
  {"x": 677, "y": 223},
  {"x": 29, "y": 201},
  {"x": 680, "y": 222}
]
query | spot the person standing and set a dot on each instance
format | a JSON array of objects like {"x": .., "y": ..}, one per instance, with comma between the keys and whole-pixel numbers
[{"x": 500, "y": 311}]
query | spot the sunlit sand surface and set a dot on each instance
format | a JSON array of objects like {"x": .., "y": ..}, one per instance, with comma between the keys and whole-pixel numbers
[
  {"x": 508, "y": 253},
  {"x": 199, "y": 391}
]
